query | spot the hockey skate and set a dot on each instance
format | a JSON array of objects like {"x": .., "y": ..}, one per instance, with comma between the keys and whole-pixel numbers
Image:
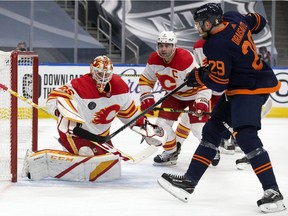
[
  {"x": 234, "y": 142},
  {"x": 242, "y": 163},
  {"x": 216, "y": 159},
  {"x": 272, "y": 201},
  {"x": 25, "y": 170},
  {"x": 227, "y": 147},
  {"x": 167, "y": 159},
  {"x": 179, "y": 186}
]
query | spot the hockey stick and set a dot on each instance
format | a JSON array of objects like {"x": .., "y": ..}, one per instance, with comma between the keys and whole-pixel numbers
[
  {"x": 180, "y": 111},
  {"x": 266, "y": 108},
  {"x": 145, "y": 153},
  {"x": 129, "y": 75},
  {"x": 103, "y": 139},
  {"x": 5, "y": 88},
  {"x": 137, "y": 158}
]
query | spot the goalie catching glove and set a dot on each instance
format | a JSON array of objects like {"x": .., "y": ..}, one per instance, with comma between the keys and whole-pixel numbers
[{"x": 151, "y": 133}]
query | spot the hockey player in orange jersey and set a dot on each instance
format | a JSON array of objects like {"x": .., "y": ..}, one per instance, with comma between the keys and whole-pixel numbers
[
  {"x": 234, "y": 67},
  {"x": 169, "y": 66}
]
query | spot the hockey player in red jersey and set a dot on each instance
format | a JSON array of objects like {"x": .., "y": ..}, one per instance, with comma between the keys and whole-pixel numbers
[
  {"x": 169, "y": 65},
  {"x": 93, "y": 101},
  {"x": 99, "y": 96},
  {"x": 234, "y": 66},
  {"x": 184, "y": 127}
]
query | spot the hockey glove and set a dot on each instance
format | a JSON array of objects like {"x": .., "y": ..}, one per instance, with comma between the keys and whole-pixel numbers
[
  {"x": 151, "y": 133},
  {"x": 193, "y": 76},
  {"x": 202, "y": 105},
  {"x": 147, "y": 100}
]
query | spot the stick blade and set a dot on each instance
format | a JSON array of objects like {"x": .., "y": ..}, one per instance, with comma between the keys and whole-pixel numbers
[
  {"x": 266, "y": 108},
  {"x": 145, "y": 153}
]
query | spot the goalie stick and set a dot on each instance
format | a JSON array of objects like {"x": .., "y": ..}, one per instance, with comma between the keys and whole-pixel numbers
[
  {"x": 145, "y": 153},
  {"x": 135, "y": 159},
  {"x": 103, "y": 139}
]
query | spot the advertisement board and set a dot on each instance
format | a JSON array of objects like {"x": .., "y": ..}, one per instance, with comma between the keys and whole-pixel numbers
[{"x": 52, "y": 76}]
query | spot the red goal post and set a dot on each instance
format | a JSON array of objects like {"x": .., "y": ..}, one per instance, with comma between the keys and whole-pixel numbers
[{"x": 18, "y": 120}]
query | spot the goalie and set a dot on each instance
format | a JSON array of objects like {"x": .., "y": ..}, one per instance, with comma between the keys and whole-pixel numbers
[{"x": 91, "y": 101}]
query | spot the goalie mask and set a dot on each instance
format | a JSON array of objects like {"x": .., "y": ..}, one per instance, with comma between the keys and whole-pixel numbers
[
  {"x": 101, "y": 70},
  {"x": 166, "y": 37}
]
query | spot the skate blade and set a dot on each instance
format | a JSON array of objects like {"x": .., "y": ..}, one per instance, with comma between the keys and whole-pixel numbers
[
  {"x": 228, "y": 152},
  {"x": 176, "y": 192},
  {"x": 169, "y": 163},
  {"x": 273, "y": 207},
  {"x": 238, "y": 150},
  {"x": 242, "y": 166}
]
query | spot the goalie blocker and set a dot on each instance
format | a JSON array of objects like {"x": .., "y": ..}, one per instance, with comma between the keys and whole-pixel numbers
[{"x": 66, "y": 166}]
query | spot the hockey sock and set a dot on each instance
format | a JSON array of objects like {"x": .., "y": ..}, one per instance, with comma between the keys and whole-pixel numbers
[
  {"x": 201, "y": 160},
  {"x": 253, "y": 148},
  {"x": 263, "y": 168}
]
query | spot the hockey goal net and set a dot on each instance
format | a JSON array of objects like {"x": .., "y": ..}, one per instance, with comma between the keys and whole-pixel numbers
[{"x": 18, "y": 120}]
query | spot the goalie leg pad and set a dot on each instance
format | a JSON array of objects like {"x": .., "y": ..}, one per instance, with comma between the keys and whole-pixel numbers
[{"x": 66, "y": 166}]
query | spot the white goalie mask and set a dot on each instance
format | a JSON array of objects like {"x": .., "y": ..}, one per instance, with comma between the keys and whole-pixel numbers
[
  {"x": 101, "y": 70},
  {"x": 166, "y": 37}
]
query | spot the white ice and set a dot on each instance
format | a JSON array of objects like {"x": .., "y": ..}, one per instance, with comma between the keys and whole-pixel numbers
[{"x": 223, "y": 190}]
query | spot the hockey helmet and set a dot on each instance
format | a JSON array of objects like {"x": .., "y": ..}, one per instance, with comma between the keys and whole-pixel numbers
[
  {"x": 211, "y": 12},
  {"x": 167, "y": 37},
  {"x": 101, "y": 70}
]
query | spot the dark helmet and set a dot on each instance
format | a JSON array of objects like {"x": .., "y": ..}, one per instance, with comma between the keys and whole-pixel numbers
[{"x": 211, "y": 12}]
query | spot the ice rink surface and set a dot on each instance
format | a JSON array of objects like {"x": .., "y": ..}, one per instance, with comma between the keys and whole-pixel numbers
[{"x": 222, "y": 191}]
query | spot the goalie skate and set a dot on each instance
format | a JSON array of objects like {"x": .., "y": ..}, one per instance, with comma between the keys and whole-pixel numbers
[
  {"x": 272, "y": 201},
  {"x": 179, "y": 186}
]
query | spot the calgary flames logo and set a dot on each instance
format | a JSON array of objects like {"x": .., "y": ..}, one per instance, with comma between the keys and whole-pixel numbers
[{"x": 106, "y": 115}]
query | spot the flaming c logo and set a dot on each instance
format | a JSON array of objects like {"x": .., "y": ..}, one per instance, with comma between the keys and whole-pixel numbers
[
  {"x": 167, "y": 82},
  {"x": 106, "y": 115}
]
